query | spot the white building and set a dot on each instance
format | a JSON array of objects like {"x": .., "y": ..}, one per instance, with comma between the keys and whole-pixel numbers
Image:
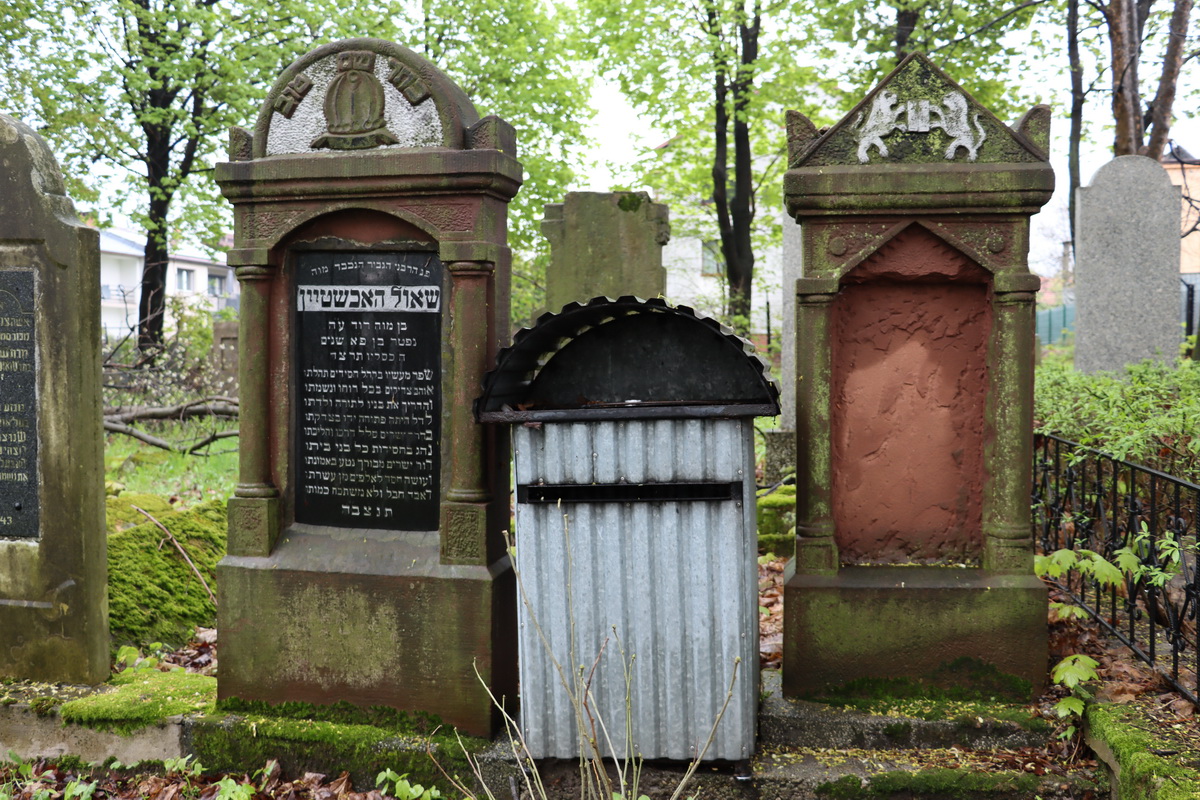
[
  {"x": 696, "y": 278},
  {"x": 190, "y": 275}
]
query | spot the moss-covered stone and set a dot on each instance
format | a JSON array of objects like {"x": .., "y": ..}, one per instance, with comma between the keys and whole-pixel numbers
[
  {"x": 781, "y": 544},
  {"x": 143, "y": 697},
  {"x": 777, "y": 511},
  {"x": 1143, "y": 774},
  {"x": 153, "y": 594},
  {"x": 120, "y": 512},
  {"x": 236, "y": 743},
  {"x": 939, "y": 783},
  {"x": 966, "y": 690}
]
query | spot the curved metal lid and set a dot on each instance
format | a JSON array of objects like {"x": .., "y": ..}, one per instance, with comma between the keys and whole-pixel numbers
[{"x": 626, "y": 358}]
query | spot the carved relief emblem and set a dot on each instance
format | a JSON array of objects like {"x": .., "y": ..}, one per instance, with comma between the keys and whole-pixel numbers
[
  {"x": 920, "y": 116},
  {"x": 354, "y": 105}
]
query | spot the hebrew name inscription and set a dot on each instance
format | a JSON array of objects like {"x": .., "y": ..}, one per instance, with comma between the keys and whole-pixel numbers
[
  {"x": 18, "y": 407},
  {"x": 368, "y": 386}
]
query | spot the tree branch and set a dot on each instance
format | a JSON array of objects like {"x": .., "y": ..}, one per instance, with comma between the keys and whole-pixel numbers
[{"x": 990, "y": 24}]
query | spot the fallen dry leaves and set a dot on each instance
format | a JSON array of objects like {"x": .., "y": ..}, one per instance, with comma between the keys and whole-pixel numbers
[
  {"x": 770, "y": 616},
  {"x": 43, "y": 779}
]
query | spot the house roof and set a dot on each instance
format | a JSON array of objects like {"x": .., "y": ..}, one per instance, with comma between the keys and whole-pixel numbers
[
  {"x": 1177, "y": 155},
  {"x": 116, "y": 241},
  {"x": 117, "y": 244}
]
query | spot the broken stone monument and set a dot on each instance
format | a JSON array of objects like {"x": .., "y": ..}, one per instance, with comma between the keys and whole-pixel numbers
[
  {"x": 53, "y": 574},
  {"x": 1127, "y": 266},
  {"x": 914, "y": 365},
  {"x": 366, "y": 559},
  {"x": 605, "y": 244}
]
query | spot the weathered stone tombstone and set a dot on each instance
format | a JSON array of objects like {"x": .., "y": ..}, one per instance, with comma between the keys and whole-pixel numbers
[
  {"x": 366, "y": 559},
  {"x": 780, "y": 460},
  {"x": 224, "y": 357},
  {"x": 605, "y": 244},
  {"x": 914, "y": 369},
  {"x": 1127, "y": 266},
  {"x": 53, "y": 574}
]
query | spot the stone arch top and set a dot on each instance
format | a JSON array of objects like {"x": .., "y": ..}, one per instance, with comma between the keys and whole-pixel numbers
[
  {"x": 1118, "y": 174},
  {"x": 359, "y": 94}
]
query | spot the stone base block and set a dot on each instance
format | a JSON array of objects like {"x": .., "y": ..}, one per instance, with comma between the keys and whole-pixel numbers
[
  {"x": 371, "y": 618},
  {"x": 889, "y": 622}
]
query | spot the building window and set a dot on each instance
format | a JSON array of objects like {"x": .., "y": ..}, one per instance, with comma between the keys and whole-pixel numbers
[
  {"x": 185, "y": 280},
  {"x": 105, "y": 292},
  {"x": 712, "y": 263},
  {"x": 216, "y": 285}
]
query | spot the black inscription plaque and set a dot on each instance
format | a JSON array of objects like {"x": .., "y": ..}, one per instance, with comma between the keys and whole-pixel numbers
[
  {"x": 18, "y": 407},
  {"x": 368, "y": 386}
]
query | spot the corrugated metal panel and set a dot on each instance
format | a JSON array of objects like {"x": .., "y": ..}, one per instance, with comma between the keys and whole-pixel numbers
[{"x": 675, "y": 582}]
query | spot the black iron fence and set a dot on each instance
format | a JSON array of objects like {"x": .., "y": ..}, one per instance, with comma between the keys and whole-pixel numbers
[{"x": 1143, "y": 523}]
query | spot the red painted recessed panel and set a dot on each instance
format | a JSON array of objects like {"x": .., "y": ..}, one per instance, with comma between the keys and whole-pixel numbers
[{"x": 910, "y": 380}]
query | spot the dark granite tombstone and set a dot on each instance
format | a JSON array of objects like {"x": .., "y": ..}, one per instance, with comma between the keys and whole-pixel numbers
[
  {"x": 914, "y": 394},
  {"x": 366, "y": 558},
  {"x": 53, "y": 608}
]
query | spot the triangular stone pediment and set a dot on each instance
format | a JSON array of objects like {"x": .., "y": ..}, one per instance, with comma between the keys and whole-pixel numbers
[
  {"x": 915, "y": 253},
  {"x": 917, "y": 115}
]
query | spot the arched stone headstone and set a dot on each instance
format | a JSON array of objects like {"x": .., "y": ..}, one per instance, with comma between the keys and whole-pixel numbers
[
  {"x": 366, "y": 557},
  {"x": 1127, "y": 266},
  {"x": 53, "y": 575}
]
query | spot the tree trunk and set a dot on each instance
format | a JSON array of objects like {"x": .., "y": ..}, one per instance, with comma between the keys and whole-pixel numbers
[
  {"x": 1075, "y": 137},
  {"x": 153, "y": 303},
  {"x": 740, "y": 268},
  {"x": 1124, "y": 45},
  {"x": 906, "y": 23},
  {"x": 1164, "y": 99}
]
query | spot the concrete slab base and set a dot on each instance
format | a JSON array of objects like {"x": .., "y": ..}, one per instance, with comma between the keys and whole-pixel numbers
[
  {"x": 890, "y": 622},
  {"x": 31, "y": 736}
]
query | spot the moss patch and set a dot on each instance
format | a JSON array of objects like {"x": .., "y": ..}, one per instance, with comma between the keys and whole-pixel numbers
[
  {"x": 120, "y": 514},
  {"x": 965, "y": 690},
  {"x": 141, "y": 698},
  {"x": 153, "y": 595},
  {"x": 942, "y": 783},
  {"x": 237, "y": 743},
  {"x": 1143, "y": 773},
  {"x": 781, "y": 544},
  {"x": 776, "y": 512},
  {"x": 401, "y": 723}
]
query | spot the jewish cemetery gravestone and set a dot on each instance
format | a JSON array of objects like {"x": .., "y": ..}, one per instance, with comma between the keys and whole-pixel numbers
[
  {"x": 605, "y": 244},
  {"x": 1127, "y": 266},
  {"x": 53, "y": 575},
  {"x": 780, "y": 443},
  {"x": 914, "y": 369},
  {"x": 366, "y": 558}
]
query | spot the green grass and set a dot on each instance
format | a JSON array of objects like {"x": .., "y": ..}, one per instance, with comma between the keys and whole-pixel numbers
[{"x": 138, "y": 467}]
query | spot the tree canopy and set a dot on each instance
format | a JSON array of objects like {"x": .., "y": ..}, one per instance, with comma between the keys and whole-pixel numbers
[{"x": 136, "y": 96}]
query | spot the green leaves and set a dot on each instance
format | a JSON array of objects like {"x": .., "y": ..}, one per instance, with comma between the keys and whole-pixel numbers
[{"x": 1074, "y": 670}]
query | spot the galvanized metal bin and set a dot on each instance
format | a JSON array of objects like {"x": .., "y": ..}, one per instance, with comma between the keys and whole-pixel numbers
[{"x": 635, "y": 528}]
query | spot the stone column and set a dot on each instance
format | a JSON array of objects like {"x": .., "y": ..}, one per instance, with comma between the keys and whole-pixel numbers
[
  {"x": 1007, "y": 535},
  {"x": 816, "y": 550},
  {"x": 464, "y": 509},
  {"x": 253, "y": 509}
]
